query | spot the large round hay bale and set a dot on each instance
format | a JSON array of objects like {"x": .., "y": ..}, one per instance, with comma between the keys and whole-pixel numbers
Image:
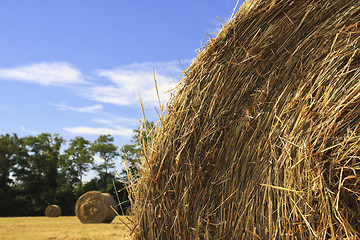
[
  {"x": 95, "y": 207},
  {"x": 262, "y": 138},
  {"x": 53, "y": 211}
]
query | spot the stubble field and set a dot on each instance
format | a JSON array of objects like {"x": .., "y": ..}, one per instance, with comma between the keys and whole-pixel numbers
[{"x": 45, "y": 228}]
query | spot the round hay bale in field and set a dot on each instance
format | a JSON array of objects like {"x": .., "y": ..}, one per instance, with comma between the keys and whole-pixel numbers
[
  {"x": 53, "y": 211},
  {"x": 262, "y": 138},
  {"x": 95, "y": 207}
]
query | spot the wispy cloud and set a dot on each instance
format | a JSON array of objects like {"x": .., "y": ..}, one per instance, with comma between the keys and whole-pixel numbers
[
  {"x": 114, "y": 121},
  {"x": 118, "y": 131},
  {"x": 126, "y": 82},
  {"x": 86, "y": 109},
  {"x": 27, "y": 131},
  {"x": 108, "y": 124},
  {"x": 45, "y": 73}
]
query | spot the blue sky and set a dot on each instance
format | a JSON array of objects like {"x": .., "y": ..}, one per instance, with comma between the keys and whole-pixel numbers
[{"x": 75, "y": 67}]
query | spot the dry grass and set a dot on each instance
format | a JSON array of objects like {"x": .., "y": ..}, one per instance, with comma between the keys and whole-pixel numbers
[
  {"x": 44, "y": 228},
  {"x": 262, "y": 138}
]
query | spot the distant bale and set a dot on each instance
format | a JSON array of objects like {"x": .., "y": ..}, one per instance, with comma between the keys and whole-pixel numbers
[
  {"x": 95, "y": 207},
  {"x": 53, "y": 211}
]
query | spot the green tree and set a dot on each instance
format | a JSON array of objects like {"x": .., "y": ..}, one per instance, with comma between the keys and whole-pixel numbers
[
  {"x": 77, "y": 160},
  {"x": 105, "y": 147},
  {"x": 9, "y": 153},
  {"x": 36, "y": 171},
  {"x": 133, "y": 153}
]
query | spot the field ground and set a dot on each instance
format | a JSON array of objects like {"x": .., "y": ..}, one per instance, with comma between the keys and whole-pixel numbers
[{"x": 46, "y": 228}]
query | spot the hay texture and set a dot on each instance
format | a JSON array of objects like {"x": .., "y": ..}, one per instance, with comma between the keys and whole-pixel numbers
[
  {"x": 95, "y": 207},
  {"x": 262, "y": 138},
  {"x": 53, "y": 211}
]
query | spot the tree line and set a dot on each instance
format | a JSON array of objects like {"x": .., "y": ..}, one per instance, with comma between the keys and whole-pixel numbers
[{"x": 36, "y": 171}]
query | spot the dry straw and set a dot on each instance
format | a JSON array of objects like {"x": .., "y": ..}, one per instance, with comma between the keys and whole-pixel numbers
[
  {"x": 53, "y": 211},
  {"x": 262, "y": 138},
  {"x": 95, "y": 207}
]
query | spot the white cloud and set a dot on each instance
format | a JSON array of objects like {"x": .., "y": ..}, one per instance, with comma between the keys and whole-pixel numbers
[
  {"x": 130, "y": 80},
  {"x": 87, "y": 109},
  {"x": 45, "y": 73},
  {"x": 118, "y": 131}
]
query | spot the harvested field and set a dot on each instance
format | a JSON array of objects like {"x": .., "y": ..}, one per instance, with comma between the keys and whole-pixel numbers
[
  {"x": 261, "y": 140},
  {"x": 44, "y": 228}
]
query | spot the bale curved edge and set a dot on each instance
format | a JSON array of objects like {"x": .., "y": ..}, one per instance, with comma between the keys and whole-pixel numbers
[{"x": 262, "y": 137}]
